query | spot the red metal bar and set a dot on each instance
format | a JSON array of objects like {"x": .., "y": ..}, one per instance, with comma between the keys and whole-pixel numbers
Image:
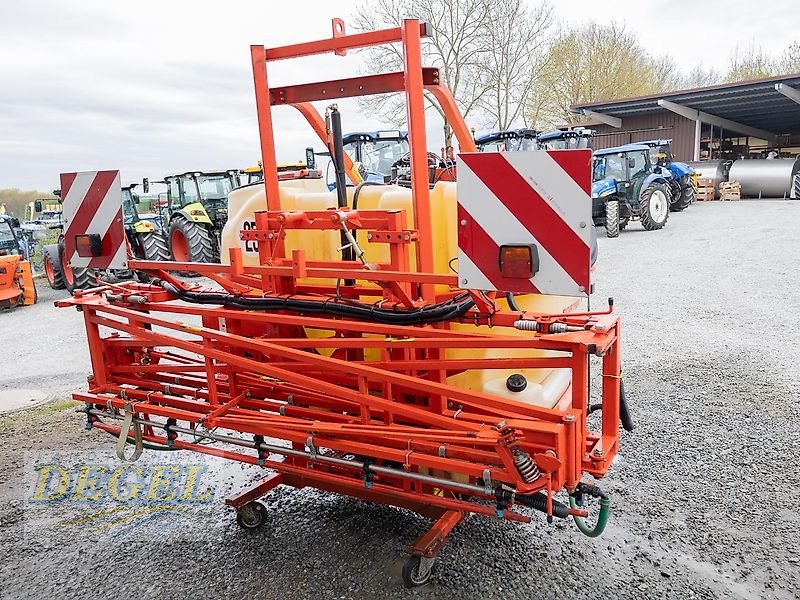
[
  {"x": 264, "y": 111},
  {"x": 345, "y": 42},
  {"x": 415, "y": 105},
  {"x": 255, "y": 491},
  {"x": 383, "y": 83}
]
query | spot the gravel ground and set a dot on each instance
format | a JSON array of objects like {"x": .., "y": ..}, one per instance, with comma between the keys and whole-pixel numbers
[{"x": 704, "y": 491}]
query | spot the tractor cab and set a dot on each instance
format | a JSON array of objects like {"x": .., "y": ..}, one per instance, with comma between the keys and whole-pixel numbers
[
  {"x": 376, "y": 151},
  {"x": 197, "y": 204},
  {"x": 627, "y": 185},
  {"x": 202, "y": 194},
  {"x": 9, "y": 242},
  {"x": 571, "y": 139},
  {"x": 139, "y": 222},
  {"x": 508, "y": 141}
]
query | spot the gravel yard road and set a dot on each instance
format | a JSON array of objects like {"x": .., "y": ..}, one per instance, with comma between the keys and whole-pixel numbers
[{"x": 704, "y": 490}]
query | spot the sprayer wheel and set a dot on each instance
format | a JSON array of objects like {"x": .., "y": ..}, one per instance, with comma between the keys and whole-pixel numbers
[
  {"x": 251, "y": 516},
  {"x": 417, "y": 571}
]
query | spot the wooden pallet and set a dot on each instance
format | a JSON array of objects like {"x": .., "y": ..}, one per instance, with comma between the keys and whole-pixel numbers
[
  {"x": 705, "y": 189},
  {"x": 730, "y": 190}
]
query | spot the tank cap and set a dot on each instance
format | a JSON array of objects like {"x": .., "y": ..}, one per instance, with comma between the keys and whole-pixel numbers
[{"x": 516, "y": 382}]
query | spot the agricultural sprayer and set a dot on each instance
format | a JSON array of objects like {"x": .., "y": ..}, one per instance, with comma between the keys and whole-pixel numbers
[{"x": 416, "y": 345}]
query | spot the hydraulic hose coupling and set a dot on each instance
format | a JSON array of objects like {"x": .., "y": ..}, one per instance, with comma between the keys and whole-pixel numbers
[
  {"x": 526, "y": 325},
  {"x": 576, "y": 500}
]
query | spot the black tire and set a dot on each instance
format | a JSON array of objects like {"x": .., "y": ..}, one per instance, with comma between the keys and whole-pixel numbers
[
  {"x": 417, "y": 571},
  {"x": 251, "y": 516},
  {"x": 75, "y": 279},
  {"x": 654, "y": 206},
  {"x": 623, "y": 223},
  {"x": 612, "y": 218},
  {"x": 52, "y": 267},
  {"x": 154, "y": 246},
  {"x": 196, "y": 246},
  {"x": 687, "y": 197}
]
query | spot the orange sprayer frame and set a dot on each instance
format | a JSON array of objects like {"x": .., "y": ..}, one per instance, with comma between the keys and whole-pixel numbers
[{"x": 364, "y": 407}]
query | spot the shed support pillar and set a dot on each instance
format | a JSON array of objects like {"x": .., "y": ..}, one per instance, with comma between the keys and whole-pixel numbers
[{"x": 698, "y": 126}]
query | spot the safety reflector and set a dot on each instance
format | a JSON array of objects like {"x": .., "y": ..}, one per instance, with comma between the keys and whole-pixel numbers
[
  {"x": 519, "y": 261},
  {"x": 89, "y": 245}
]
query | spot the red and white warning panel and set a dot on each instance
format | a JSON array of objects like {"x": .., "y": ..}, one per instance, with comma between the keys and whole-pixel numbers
[
  {"x": 525, "y": 221},
  {"x": 94, "y": 232}
]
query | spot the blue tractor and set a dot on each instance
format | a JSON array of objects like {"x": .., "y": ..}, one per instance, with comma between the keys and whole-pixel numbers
[
  {"x": 508, "y": 141},
  {"x": 627, "y": 185},
  {"x": 376, "y": 151},
  {"x": 570, "y": 139},
  {"x": 683, "y": 183}
]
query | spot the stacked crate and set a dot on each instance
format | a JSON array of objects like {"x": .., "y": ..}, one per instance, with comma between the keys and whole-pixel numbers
[
  {"x": 730, "y": 190},
  {"x": 705, "y": 189}
]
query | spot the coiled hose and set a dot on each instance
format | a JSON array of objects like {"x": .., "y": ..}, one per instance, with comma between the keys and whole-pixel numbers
[{"x": 444, "y": 311}]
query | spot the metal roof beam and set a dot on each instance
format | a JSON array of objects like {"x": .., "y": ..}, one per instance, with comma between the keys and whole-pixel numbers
[
  {"x": 698, "y": 115},
  {"x": 788, "y": 91},
  {"x": 602, "y": 118}
]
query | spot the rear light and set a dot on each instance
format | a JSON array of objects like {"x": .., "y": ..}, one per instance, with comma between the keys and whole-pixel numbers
[
  {"x": 519, "y": 261},
  {"x": 196, "y": 213},
  {"x": 89, "y": 245}
]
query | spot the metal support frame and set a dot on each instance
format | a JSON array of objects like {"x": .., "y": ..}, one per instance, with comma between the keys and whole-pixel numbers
[
  {"x": 349, "y": 404},
  {"x": 698, "y": 127},
  {"x": 788, "y": 91},
  {"x": 615, "y": 122},
  {"x": 698, "y": 115}
]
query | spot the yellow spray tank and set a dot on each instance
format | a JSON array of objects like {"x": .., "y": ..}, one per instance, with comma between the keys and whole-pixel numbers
[{"x": 545, "y": 387}]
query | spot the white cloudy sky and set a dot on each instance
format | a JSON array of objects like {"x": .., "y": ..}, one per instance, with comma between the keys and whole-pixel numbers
[{"x": 152, "y": 87}]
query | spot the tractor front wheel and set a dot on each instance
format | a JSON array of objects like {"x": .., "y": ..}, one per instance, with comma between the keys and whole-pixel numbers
[
  {"x": 190, "y": 241},
  {"x": 52, "y": 267},
  {"x": 612, "y": 218},
  {"x": 75, "y": 279},
  {"x": 654, "y": 206}
]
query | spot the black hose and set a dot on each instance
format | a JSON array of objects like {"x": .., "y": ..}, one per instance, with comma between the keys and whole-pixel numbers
[
  {"x": 434, "y": 313},
  {"x": 358, "y": 191},
  {"x": 538, "y": 502},
  {"x": 512, "y": 303},
  {"x": 624, "y": 412}
]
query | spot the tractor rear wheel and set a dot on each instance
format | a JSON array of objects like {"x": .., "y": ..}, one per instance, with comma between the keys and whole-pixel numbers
[
  {"x": 190, "y": 241},
  {"x": 612, "y": 218},
  {"x": 52, "y": 267},
  {"x": 654, "y": 206},
  {"x": 154, "y": 246},
  {"x": 686, "y": 198},
  {"x": 75, "y": 279}
]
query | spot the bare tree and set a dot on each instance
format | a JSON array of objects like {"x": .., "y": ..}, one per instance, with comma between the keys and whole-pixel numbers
[
  {"x": 790, "y": 61},
  {"x": 751, "y": 63},
  {"x": 456, "y": 47},
  {"x": 517, "y": 37},
  {"x": 590, "y": 63},
  {"x": 700, "y": 77}
]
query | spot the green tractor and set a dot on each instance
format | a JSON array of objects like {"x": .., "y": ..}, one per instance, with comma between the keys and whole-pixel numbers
[
  {"x": 145, "y": 237},
  {"x": 197, "y": 210}
]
